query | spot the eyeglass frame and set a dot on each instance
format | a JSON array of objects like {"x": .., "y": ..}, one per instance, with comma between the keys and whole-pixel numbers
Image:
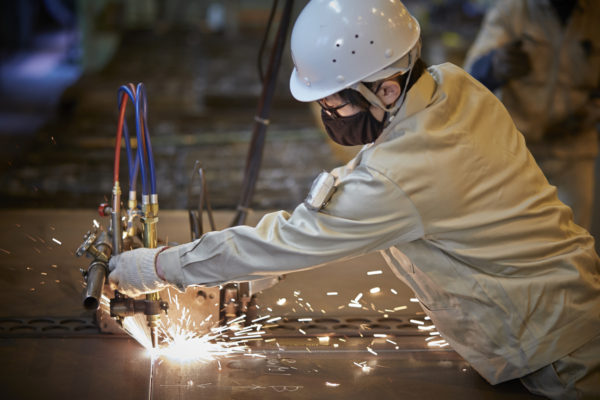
[{"x": 332, "y": 111}]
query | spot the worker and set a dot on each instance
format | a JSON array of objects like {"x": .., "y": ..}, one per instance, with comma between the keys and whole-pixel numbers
[
  {"x": 444, "y": 187},
  {"x": 542, "y": 59}
]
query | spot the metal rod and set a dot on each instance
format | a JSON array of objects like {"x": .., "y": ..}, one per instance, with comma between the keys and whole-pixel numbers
[
  {"x": 96, "y": 275},
  {"x": 203, "y": 204},
  {"x": 115, "y": 216},
  {"x": 257, "y": 143},
  {"x": 97, "y": 272}
]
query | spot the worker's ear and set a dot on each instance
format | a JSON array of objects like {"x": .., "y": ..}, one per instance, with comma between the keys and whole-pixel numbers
[{"x": 389, "y": 92}]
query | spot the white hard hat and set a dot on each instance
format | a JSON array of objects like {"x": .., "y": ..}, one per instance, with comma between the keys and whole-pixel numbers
[{"x": 337, "y": 43}]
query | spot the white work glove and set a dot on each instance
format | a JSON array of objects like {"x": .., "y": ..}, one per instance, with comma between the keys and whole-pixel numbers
[{"x": 133, "y": 272}]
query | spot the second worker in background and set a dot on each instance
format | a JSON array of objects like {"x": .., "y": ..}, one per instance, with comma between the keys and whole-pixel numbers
[{"x": 542, "y": 59}]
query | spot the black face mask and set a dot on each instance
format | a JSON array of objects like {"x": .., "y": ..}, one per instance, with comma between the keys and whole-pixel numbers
[{"x": 357, "y": 129}]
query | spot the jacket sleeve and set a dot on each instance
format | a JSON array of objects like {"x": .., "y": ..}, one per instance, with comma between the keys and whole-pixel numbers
[{"x": 367, "y": 212}]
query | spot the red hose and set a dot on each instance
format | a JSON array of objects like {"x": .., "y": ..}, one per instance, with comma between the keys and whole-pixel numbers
[{"x": 119, "y": 136}]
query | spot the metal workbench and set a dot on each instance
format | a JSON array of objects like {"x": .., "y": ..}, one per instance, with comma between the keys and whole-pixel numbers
[{"x": 52, "y": 348}]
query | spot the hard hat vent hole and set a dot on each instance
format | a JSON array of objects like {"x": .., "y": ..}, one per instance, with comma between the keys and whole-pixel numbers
[
  {"x": 356, "y": 36},
  {"x": 353, "y": 52},
  {"x": 334, "y": 60},
  {"x": 337, "y": 45},
  {"x": 372, "y": 42}
]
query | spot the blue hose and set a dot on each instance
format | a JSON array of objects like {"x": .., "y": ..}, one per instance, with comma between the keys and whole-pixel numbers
[
  {"x": 144, "y": 160},
  {"x": 141, "y": 98},
  {"x": 140, "y": 143},
  {"x": 133, "y": 169}
]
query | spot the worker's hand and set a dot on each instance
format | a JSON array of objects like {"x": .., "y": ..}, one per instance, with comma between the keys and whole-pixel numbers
[
  {"x": 510, "y": 62},
  {"x": 133, "y": 272}
]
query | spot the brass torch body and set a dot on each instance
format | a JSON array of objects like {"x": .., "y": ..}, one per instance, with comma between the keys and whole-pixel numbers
[{"x": 150, "y": 211}]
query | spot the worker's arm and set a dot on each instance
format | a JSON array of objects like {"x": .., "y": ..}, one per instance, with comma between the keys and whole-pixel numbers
[{"x": 367, "y": 212}]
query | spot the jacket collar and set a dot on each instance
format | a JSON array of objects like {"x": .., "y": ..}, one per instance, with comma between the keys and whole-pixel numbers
[{"x": 417, "y": 99}]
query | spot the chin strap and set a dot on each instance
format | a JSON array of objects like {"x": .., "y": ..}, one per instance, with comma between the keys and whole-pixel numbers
[
  {"x": 372, "y": 98},
  {"x": 376, "y": 101}
]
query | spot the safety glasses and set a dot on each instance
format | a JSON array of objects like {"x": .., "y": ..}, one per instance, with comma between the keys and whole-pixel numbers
[{"x": 331, "y": 111}]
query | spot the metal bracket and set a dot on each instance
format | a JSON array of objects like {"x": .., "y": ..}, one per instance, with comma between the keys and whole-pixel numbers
[{"x": 320, "y": 192}]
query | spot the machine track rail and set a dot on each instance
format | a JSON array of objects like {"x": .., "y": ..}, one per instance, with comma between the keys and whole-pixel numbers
[
  {"x": 286, "y": 327},
  {"x": 47, "y": 327}
]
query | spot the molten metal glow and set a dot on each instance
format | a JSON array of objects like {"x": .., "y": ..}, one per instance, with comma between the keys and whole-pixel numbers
[
  {"x": 185, "y": 341},
  {"x": 186, "y": 346},
  {"x": 136, "y": 327}
]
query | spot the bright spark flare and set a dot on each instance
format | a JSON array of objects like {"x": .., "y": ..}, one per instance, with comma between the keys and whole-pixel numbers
[
  {"x": 370, "y": 350},
  {"x": 186, "y": 341},
  {"x": 425, "y": 327},
  {"x": 363, "y": 366},
  {"x": 437, "y": 343}
]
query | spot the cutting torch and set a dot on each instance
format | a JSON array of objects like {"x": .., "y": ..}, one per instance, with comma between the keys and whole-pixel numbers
[{"x": 102, "y": 245}]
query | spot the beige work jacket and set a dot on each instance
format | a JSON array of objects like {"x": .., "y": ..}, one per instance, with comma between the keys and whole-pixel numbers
[
  {"x": 453, "y": 199},
  {"x": 565, "y": 68}
]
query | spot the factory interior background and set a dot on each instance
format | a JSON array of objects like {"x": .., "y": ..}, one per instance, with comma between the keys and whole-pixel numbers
[{"x": 61, "y": 64}]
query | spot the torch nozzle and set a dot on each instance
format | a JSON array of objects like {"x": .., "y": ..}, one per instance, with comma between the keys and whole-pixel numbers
[
  {"x": 153, "y": 317},
  {"x": 154, "y": 336},
  {"x": 122, "y": 306}
]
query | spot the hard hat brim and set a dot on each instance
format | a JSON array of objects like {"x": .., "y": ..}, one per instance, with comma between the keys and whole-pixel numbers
[{"x": 303, "y": 92}]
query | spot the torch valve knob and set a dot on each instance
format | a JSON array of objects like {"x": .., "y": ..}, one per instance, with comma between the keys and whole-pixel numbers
[{"x": 104, "y": 209}]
